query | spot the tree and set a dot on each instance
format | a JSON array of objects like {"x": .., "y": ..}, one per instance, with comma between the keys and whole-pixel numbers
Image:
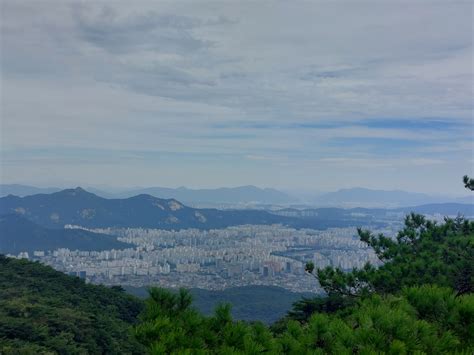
[
  {"x": 169, "y": 325},
  {"x": 43, "y": 311},
  {"x": 422, "y": 253},
  {"x": 425, "y": 319},
  {"x": 468, "y": 183}
]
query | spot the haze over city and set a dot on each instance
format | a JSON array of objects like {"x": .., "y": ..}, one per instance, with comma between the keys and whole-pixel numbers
[{"x": 372, "y": 94}]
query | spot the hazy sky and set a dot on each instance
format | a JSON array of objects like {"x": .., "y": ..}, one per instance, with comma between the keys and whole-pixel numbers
[{"x": 311, "y": 95}]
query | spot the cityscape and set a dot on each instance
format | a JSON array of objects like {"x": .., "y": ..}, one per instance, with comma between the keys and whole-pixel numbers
[{"x": 271, "y": 255}]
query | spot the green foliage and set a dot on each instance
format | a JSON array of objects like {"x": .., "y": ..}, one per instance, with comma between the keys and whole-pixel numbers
[
  {"x": 422, "y": 253},
  {"x": 43, "y": 311},
  {"x": 170, "y": 325},
  {"x": 468, "y": 182},
  {"x": 425, "y": 319}
]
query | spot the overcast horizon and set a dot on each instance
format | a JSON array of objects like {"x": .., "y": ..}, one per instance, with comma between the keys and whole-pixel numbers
[{"x": 302, "y": 95}]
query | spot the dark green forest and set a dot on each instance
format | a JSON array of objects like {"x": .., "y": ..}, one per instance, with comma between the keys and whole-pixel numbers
[{"x": 43, "y": 311}]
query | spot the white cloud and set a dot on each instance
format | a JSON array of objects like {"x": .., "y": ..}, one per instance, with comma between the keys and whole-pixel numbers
[{"x": 199, "y": 78}]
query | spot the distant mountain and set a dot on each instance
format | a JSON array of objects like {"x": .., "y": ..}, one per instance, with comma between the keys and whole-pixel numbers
[
  {"x": 249, "y": 303},
  {"x": 17, "y": 234},
  {"x": 79, "y": 207},
  {"x": 227, "y": 195},
  {"x": 362, "y": 197},
  {"x": 25, "y": 190},
  {"x": 467, "y": 199},
  {"x": 262, "y": 198}
]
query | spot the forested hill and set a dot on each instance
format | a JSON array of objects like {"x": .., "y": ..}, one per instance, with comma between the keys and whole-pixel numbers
[
  {"x": 77, "y": 206},
  {"x": 44, "y": 311}
]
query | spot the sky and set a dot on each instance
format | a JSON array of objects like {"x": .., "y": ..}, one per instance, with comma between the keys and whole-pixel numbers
[{"x": 287, "y": 94}]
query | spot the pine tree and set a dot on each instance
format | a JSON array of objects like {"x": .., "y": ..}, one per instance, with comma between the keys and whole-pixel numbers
[{"x": 468, "y": 183}]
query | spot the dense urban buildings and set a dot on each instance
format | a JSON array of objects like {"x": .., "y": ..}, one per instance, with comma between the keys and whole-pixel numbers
[{"x": 214, "y": 259}]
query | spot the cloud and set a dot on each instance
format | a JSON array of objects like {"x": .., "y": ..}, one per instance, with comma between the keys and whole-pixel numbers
[
  {"x": 171, "y": 33},
  {"x": 377, "y": 163},
  {"x": 261, "y": 83}
]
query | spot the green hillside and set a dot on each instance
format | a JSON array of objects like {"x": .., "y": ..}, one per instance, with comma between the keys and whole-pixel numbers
[{"x": 44, "y": 311}]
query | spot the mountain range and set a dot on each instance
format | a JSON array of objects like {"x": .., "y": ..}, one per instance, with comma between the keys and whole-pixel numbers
[
  {"x": 225, "y": 195},
  {"x": 79, "y": 207},
  {"x": 362, "y": 197},
  {"x": 248, "y": 196},
  {"x": 25, "y": 190}
]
